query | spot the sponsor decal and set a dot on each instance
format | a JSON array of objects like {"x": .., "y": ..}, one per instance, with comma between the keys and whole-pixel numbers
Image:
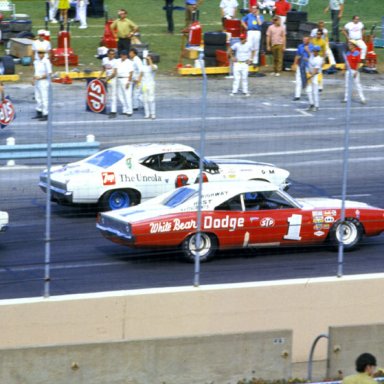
[
  {"x": 267, "y": 222},
  {"x": 7, "y": 113},
  {"x": 96, "y": 96},
  {"x": 329, "y": 219},
  {"x": 318, "y": 219},
  {"x": 330, "y": 212},
  {"x": 319, "y": 233},
  {"x": 227, "y": 222},
  {"x": 108, "y": 178},
  {"x": 317, "y": 227},
  {"x": 124, "y": 178},
  {"x": 128, "y": 162},
  {"x": 317, "y": 213}
]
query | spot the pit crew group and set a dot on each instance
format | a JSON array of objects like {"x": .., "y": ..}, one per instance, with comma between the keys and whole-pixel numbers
[{"x": 310, "y": 55}]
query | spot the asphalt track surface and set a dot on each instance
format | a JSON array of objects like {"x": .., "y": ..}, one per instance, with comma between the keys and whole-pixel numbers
[{"x": 267, "y": 126}]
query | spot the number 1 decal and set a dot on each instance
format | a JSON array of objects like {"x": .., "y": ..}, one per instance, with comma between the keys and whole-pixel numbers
[{"x": 294, "y": 227}]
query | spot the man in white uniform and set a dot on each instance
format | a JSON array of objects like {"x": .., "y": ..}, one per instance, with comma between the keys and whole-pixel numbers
[
  {"x": 40, "y": 44},
  {"x": 41, "y": 78},
  {"x": 148, "y": 87},
  {"x": 137, "y": 74},
  {"x": 315, "y": 64},
  {"x": 124, "y": 73},
  {"x": 354, "y": 30},
  {"x": 53, "y": 6},
  {"x": 81, "y": 13},
  {"x": 109, "y": 68},
  {"x": 228, "y": 8},
  {"x": 241, "y": 53}
]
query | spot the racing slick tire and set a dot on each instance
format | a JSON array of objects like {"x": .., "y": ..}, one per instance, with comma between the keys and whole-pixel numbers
[
  {"x": 117, "y": 199},
  {"x": 207, "y": 249},
  {"x": 350, "y": 233}
]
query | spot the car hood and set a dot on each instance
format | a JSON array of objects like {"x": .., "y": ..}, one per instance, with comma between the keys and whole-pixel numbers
[{"x": 327, "y": 203}]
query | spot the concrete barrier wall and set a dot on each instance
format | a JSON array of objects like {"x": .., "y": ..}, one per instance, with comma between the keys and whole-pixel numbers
[
  {"x": 346, "y": 343},
  {"x": 197, "y": 360},
  {"x": 307, "y": 306}
]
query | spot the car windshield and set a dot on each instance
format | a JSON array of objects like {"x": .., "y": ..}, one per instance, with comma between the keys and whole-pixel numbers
[
  {"x": 106, "y": 158},
  {"x": 179, "y": 196}
]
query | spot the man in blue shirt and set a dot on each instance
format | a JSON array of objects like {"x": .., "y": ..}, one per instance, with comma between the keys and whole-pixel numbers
[
  {"x": 300, "y": 64},
  {"x": 252, "y": 22}
]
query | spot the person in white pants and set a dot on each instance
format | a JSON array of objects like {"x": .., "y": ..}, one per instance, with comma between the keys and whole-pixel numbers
[
  {"x": 240, "y": 54},
  {"x": 81, "y": 13},
  {"x": 148, "y": 87},
  {"x": 137, "y": 74},
  {"x": 108, "y": 65},
  {"x": 42, "y": 73},
  {"x": 315, "y": 64},
  {"x": 328, "y": 52},
  {"x": 252, "y": 22},
  {"x": 53, "y": 7},
  {"x": 124, "y": 73},
  {"x": 354, "y": 30}
]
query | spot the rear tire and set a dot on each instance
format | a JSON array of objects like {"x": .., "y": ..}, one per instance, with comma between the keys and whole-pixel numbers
[
  {"x": 349, "y": 232},
  {"x": 205, "y": 252},
  {"x": 118, "y": 199}
]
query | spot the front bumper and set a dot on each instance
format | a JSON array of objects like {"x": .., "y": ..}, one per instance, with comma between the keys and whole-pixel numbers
[{"x": 58, "y": 192}]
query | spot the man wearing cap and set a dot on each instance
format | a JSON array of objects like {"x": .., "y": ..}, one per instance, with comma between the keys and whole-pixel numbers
[
  {"x": 354, "y": 30},
  {"x": 125, "y": 30},
  {"x": 124, "y": 73},
  {"x": 42, "y": 73},
  {"x": 353, "y": 61},
  {"x": 365, "y": 367},
  {"x": 240, "y": 54},
  {"x": 40, "y": 44},
  {"x": 276, "y": 41},
  {"x": 252, "y": 23},
  {"x": 315, "y": 63}
]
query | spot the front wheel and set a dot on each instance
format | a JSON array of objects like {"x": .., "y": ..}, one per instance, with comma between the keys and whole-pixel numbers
[
  {"x": 348, "y": 232},
  {"x": 117, "y": 199},
  {"x": 205, "y": 250}
]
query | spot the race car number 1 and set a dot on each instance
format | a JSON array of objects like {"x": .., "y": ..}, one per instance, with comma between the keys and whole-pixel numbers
[{"x": 96, "y": 96}]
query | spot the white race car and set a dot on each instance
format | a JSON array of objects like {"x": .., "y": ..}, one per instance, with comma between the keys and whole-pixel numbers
[
  {"x": 3, "y": 221},
  {"x": 123, "y": 176}
]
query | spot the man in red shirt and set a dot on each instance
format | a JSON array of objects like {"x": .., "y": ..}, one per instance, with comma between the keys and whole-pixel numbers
[
  {"x": 282, "y": 7},
  {"x": 353, "y": 61}
]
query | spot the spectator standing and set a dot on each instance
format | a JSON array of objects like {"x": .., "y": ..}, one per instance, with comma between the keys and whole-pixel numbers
[
  {"x": 191, "y": 10},
  {"x": 315, "y": 64},
  {"x": 108, "y": 66},
  {"x": 148, "y": 87},
  {"x": 282, "y": 7},
  {"x": 40, "y": 44},
  {"x": 318, "y": 41},
  {"x": 169, "y": 15},
  {"x": 353, "y": 59},
  {"x": 266, "y": 6},
  {"x": 136, "y": 77},
  {"x": 125, "y": 30},
  {"x": 81, "y": 13},
  {"x": 252, "y": 22},
  {"x": 276, "y": 41},
  {"x": 365, "y": 367},
  {"x": 41, "y": 78},
  {"x": 63, "y": 7},
  {"x": 354, "y": 30},
  {"x": 325, "y": 36},
  {"x": 228, "y": 8},
  {"x": 300, "y": 65},
  {"x": 240, "y": 54},
  {"x": 53, "y": 7},
  {"x": 337, "y": 8},
  {"x": 124, "y": 73}
]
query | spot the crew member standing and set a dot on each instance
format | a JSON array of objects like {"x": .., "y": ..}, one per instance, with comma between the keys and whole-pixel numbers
[
  {"x": 63, "y": 7},
  {"x": 191, "y": 11},
  {"x": 276, "y": 41},
  {"x": 169, "y": 14},
  {"x": 109, "y": 68},
  {"x": 282, "y": 7},
  {"x": 337, "y": 8},
  {"x": 148, "y": 87},
  {"x": 353, "y": 58},
  {"x": 354, "y": 30},
  {"x": 252, "y": 22},
  {"x": 228, "y": 8},
  {"x": 40, "y": 44},
  {"x": 125, "y": 30},
  {"x": 53, "y": 7},
  {"x": 136, "y": 79},
  {"x": 81, "y": 13},
  {"x": 241, "y": 53},
  {"x": 41, "y": 78},
  {"x": 315, "y": 64},
  {"x": 124, "y": 73}
]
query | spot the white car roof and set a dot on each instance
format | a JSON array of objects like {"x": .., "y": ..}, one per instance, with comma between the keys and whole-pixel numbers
[{"x": 147, "y": 149}]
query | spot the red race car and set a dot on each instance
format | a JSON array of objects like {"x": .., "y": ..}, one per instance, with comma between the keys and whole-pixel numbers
[{"x": 238, "y": 215}]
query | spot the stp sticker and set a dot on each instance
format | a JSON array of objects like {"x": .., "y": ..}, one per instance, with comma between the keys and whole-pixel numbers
[
  {"x": 108, "y": 178},
  {"x": 7, "y": 112},
  {"x": 267, "y": 222},
  {"x": 96, "y": 96}
]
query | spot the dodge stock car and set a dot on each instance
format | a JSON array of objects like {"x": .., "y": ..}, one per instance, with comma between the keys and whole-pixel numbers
[
  {"x": 3, "y": 221},
  {"x": 238, "y": 215},
  {"x": 125, "y": 175}
]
